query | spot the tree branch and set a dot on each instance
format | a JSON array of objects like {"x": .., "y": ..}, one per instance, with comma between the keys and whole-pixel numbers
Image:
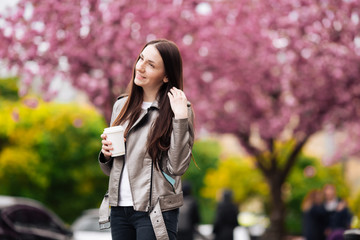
[
  {"x": 292, "y": 158},
  {"x": 245, "y": 142},
  {"x": 260, "y": 164},
  {"x": 273, "y": 161}
]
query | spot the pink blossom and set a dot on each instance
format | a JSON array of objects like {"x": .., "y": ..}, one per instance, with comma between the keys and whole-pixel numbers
[{"x": 246, "y": 66}]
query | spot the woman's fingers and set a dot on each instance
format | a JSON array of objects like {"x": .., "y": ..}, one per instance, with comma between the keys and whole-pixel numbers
[
  {"x": 178, "y": 103},
  {"x": 170, "y": 95},
  {"x": 106, "y": 153},
  {"x": 106, "y": 142},
  {"x": 176, "y": 93},
  {"x": 106, "y": 146}
]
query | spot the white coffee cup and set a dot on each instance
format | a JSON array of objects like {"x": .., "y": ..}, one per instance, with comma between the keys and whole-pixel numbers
[{"x": 116, "y": 136}]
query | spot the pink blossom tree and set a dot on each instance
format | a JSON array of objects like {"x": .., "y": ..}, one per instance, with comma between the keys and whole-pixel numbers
[
  {"x": 91, "y": 43},
  {"x": 281, "y": 72},
  {"x": 271, "y": 72}
]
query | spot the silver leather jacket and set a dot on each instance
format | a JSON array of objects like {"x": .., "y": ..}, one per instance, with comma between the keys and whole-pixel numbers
[{"x": 150, "y": 185}]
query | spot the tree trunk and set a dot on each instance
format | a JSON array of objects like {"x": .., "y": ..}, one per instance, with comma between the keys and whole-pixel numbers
[
  {"x": 111, "y": 99},
  {"x": 276, "y": 230}
]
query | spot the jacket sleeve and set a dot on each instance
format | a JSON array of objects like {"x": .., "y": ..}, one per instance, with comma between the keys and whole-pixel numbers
[
  {"x": 106, "y": 165},
  {"x": 181, "y": 143}
]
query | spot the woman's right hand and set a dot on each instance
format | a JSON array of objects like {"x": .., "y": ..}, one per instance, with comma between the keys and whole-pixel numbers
[{"x": 106, "y": 147}]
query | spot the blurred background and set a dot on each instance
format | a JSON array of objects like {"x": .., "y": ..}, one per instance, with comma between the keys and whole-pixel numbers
[{"x": 274, "y": 85}]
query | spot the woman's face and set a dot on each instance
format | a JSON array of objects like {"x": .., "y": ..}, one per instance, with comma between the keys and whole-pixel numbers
[
  {"x": 149, "y": 70},
  {"x": 330, "y": 192}
]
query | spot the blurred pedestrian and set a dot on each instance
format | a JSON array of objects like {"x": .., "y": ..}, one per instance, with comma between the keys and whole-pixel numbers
[
  {"x": 145, "y": 183},
  {"x": 226, "y": 217},
  {"x": 189, "y": 215},
  {"x": 313, "y": 224},
  {"x": 337, "y": 214}
]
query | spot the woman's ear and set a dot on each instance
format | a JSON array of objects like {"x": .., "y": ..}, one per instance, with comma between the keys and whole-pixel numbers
[{"x": 165, "y": 79}]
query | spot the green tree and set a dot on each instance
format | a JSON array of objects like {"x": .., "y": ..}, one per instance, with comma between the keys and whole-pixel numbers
[
  {"x": 355, "y": 207},
  {"x": 49, "y": 153},
  {"x": 206, "y": 153},
  {"x": 241, "y": 176},
  {"x": 9, "y": 89},
  {"x": 237, "y": 174}
]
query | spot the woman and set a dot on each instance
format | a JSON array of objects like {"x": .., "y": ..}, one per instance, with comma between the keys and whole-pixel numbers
[
  {"x": 313, "y": 222},
  {"x": 145, "y": 184}
]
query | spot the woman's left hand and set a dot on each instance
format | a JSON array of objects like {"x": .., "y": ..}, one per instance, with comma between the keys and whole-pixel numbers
[{"x": 178, "y": 103}]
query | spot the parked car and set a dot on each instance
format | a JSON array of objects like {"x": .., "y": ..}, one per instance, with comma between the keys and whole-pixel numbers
[
  {"x": 23, "y": 218},
  {"x": 86, "y": 227}
]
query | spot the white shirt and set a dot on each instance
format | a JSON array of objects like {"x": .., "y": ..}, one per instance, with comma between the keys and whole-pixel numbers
[
  {"x": 331, "y": 205},
  {"x": 125, "y": 197},
  {"x": 146, "y": 105}
]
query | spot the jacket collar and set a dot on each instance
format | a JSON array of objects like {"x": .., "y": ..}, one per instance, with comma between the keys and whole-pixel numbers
[{"x": 155, "y": 104}]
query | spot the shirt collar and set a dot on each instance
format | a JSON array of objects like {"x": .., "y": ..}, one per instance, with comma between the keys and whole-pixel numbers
[{"x": 155, "y": 104}]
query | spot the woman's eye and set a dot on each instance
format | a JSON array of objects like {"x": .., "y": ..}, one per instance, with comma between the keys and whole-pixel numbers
[{"x": 152, "y": 65}]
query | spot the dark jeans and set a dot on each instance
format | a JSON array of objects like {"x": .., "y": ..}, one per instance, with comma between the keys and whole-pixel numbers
[
  {"x": 185, "y": 235},
  {"x": 126, "y": 223}
]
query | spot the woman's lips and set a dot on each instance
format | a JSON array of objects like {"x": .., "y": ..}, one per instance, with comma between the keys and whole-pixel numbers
[{"x": 138, "y": 76}]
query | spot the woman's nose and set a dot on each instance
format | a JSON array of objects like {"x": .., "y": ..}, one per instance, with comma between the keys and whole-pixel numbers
[{"x": 140, "y": 66}]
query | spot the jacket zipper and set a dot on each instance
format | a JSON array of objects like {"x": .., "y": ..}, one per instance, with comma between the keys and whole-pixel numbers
[
  {"x": 152, "y": 165},
  {"x": 122, "y": 170},
  {"x": 151, "y": 179}
]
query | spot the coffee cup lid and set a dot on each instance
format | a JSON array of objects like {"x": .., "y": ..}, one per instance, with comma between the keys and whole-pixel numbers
[{"x": 113, "y": 129}]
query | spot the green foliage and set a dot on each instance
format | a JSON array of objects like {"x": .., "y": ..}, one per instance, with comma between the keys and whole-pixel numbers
[
  {"x": 206, "y": 155},
  {"x": 241, "y": 176},
  {"x": 9, "y": 89},
  {"x": 355, "y": 207},
  {"x": 308, "y": 174},
  {"x": 49, "y": 153},
  {"x": 237, "y": 174}
]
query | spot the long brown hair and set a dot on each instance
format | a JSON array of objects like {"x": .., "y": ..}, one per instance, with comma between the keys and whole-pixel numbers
[{"x": 159, "y": 137}]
